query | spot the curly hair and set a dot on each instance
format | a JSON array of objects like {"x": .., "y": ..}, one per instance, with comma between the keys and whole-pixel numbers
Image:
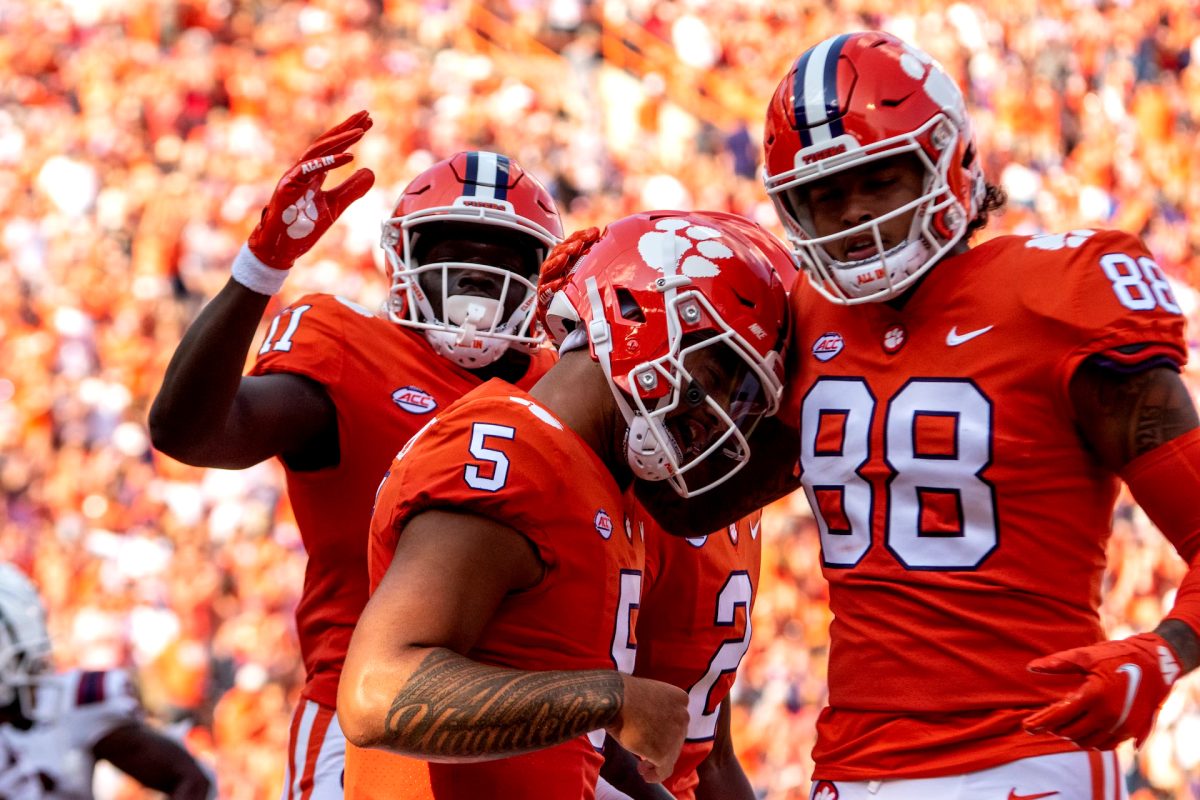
[{"x": 994, "y": 200}]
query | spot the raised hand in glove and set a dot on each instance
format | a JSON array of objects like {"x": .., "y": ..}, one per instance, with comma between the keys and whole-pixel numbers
[
  {"x": 300, "y": 211},
  {"x": 1125, "y": 682}
]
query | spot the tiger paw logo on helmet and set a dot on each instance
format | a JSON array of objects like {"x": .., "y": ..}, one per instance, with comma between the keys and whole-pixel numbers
[{"x": 673, "y": 240}]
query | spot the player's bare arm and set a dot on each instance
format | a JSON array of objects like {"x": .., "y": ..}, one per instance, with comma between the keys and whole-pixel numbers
[
  {"x": 621, "y": 770},
  {"x": 721, "y": 774},
  {"x": 206, "y": 414},
  {"x": 770, "y": 475},
  {"x": 209, "y": 415},
  {"x": 154, "y": 761},
  {"x": 1122, "y": 417},
  {"x": 1144, "y": 427},
  {"x": 407, "y": 685}
]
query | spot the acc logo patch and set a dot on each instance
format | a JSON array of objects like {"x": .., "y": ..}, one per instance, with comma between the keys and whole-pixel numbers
[
  {"x": 824, "y": 790},
  {"x": 603, "y": 523},
  {"x": 414, "y": 400},
  {"x": 827, "y": 346}
]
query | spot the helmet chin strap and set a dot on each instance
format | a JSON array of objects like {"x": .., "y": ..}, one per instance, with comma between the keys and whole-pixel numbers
[
  {"x": 897, "y": 264},
  {"x": 645, "y": 455},
  {"x": 467, "y": 347},
  {"x": 643, "y": 452}
]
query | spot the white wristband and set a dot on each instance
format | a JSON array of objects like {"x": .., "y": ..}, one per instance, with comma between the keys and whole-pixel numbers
[{"x": 255, "y": 275}]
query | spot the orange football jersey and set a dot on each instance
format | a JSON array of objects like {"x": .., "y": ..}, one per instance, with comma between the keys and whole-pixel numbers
[
  {"x": 499, "y": 454},
  {"x": 963, "y": 522},
  {"x": 694, "y": 624},
  {"x": 385, "y": 383}
]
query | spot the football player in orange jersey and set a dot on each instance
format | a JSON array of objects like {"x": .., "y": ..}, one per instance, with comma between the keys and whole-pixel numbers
[
  {"x": 337, "y": 390},
  {"x": 506, "y": 574},
  {"x": 964, "y": 416},
  {"x": 693, "y": 630}
]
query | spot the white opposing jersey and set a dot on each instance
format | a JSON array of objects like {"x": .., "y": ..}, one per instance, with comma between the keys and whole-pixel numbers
[
  {"x": 18, "y": 780},
  {"x": 74, "y": 710}
]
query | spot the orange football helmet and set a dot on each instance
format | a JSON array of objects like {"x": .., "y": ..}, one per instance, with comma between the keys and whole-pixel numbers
[
  {"x": 473, "y": 188},
  {"x": 857, "y": 98},
  {"x": 687, "y": 314}
]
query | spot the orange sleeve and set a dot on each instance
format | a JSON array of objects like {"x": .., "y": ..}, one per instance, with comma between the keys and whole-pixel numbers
[
  {"x": 489, "y": 457},
  {"x": 1103, "y": 293},
  {"x": 305, "y": 339}
]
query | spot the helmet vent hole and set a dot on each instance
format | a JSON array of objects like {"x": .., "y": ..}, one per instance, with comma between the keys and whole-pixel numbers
[
  {"x": 630, "y": 309},
  {"x": 747, "y": 302}
]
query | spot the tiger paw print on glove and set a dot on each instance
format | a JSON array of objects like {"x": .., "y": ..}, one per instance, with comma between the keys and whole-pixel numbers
[
  {"x": 301, "y": 217},
  {"x": 300, "y": 209},
  {"x": 672, "y": 243}
]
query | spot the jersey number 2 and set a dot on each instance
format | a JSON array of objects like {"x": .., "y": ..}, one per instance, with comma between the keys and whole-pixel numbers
[{"x": 736, "y": 593}]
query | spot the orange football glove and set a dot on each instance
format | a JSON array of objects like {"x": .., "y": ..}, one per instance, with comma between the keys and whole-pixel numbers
[
  {"x": 1126, "y": 682},
  {"x": 300, "y": 211}
]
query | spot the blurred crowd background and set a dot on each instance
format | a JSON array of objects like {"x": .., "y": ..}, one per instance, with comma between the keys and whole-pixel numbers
[{"x": 139, "y": 138}]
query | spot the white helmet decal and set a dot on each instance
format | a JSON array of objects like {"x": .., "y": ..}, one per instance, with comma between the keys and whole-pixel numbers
[{"x": 675, "y": 238}]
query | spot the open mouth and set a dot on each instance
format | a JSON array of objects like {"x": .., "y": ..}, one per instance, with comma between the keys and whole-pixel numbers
[
  {"x": 693, "y": 436},
  {"x": 860, "y": 247}
]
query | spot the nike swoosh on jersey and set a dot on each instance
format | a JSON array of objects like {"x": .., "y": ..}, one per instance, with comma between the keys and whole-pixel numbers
[
  {"x": 1012, "y": 795},
  {"x": 1133, "y": 674},
  {"x": 954, "y": 338}
]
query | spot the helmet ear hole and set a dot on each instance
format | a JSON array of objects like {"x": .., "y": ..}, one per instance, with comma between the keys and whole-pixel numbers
[{"x": 629, "y": 307}]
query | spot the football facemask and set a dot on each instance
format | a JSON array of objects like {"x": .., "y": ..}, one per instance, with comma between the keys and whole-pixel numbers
[
  {"x": 698, "y": 431},
  {"x": 470, "y": 189},
  {"x": 686, "y": 314}
]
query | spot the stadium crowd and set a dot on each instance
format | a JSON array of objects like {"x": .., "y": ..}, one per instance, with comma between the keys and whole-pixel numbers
[{"x": 139, "y": 138}]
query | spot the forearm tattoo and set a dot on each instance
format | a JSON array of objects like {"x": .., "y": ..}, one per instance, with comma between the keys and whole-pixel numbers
[
  {"x": 453, "y": 707},
  {"x": 1182, "y": 640}
]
